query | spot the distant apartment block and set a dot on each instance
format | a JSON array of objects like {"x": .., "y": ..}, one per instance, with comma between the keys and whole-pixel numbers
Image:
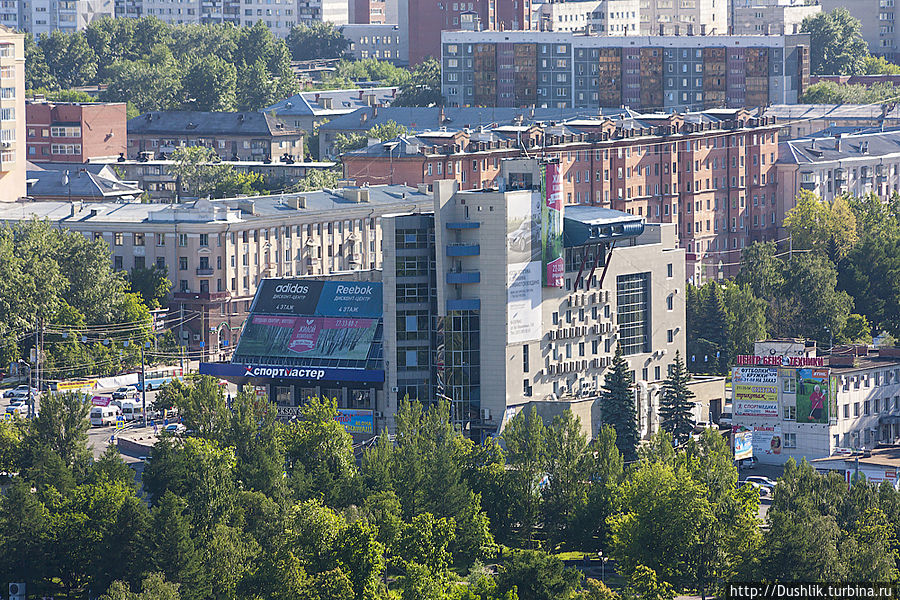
[
  {"x": 877, "y": 19},
  {"x": 44, "y": 16},
  {"x": 684, "y": 17},
  {"x": 12, "y": 111},
  {"x": 546, "y": 69},
  {"x": 378, "y": 41},
  {"x": 770, "y": 17},
  {"x": 364, "y": 12},
  {"x": 234, "y": 136},
  {"x": 74, "y": 132},
  {"x": 603, "y": 17}
]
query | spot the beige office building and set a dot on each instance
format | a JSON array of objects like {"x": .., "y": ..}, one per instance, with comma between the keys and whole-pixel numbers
[
  {"x": 770, "y": 17},
  {"x": 216, "y": 252},
  {"x": 684, "y": 17},
  {"x": 12, "y": 115}
]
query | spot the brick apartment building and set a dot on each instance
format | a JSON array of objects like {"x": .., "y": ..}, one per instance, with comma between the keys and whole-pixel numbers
[
  {"x": 74, "y": 132},
  {"x": 710, "y": 173},
  {"x": 234, "y": 136}
]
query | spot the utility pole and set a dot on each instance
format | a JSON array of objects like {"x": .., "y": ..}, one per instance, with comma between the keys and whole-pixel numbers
[{"x": 144, "y": 384}]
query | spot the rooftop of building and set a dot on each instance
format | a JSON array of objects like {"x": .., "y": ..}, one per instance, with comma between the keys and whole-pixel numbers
[
  {"x": 225, "y": 210},
  {"x": 332, "y": 102},
  {"x": 881, "y": 457},
  {"x": 840, "y": 147},
  {"x": 78, "y": 182},
  {"x": 419, "y": 119},
  {"x": 184, "y": 122},
  {"x": 581, "y": 39},
  {"x": 626, "y": 125},
  {"x": 40, "y": 100},
  {"x": 159, "y": 162},
  {"x": 801, "y": 112}
]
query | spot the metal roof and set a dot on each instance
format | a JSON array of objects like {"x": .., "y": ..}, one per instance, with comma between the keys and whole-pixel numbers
[{"x": 198, "y": 123}]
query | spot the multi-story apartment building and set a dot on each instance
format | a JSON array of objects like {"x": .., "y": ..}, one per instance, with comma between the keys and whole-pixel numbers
[
  {"x": 877, "y": 20},
  {"x": 238, "y": 136},
  {"x": 448, "y": 327},
  {"x": 517, "y": 68},
  {"x": 424, "y": 20},
  {"x": 711, "y": 174},
  {"x": 378, "y": 41},
  {"x": 856, "y": 164},
  {"x": 307, "y": 110},
  {"x": 74, "y": 131},
  {"x": 770, "y": 17},
  {"x": 129, "y": 9},
  {"x": 216, "y": 252},
  {"x": 603, "y": 17},
  {"x": 684, "y": 17},
  {"x": 9, "y": 13},
  {"x": 43, "y": 16},
  {"x": 797, "y": 404},
  {"x": 365, "y": 12},
  {"x": 12, "y": 112}
]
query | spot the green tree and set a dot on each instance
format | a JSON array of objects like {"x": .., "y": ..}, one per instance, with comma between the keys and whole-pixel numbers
[
  {"x": 255, "y": 88},
  {"x": 209, "y": 84},
  {"x": 203, "y": 409},
  {"x": 878, "y": 65},
  {"x": 606, "y": 472},
  {"x": 675, "y": 406},
  {"x": 386, "y": 131},
  {"x": 761, "y": 270},
  {"x": 153, "y": 587},
  {"x": 836, "y": 43},
  {"x": 871, "y": 275},
  {"x": 70, "y": 60},
  {"x": 746, "y": 319},
  {"x": 61, "y": 428},
  {"x": 618, "y": 408},
  {"x": 566, "y": 492},
  {"x": 318, "y": 179},
  {"x": 824, "y": 227},
  {"x": 171, "y": 549},
  {"x": 151, "y": 84},
  {"x": 423, "y": 88},
  {"x": 813, "y": 307},
  {"x": 526, "y": 445},
  {"x": 37, "y": 71},
  {"x": 199, "y": 170},
  {"x": 536, "y": 575},
  {"x": 153, "y": 284},
  {"x": 253, "y": 433},
  {"x": 316, "y": 40}
]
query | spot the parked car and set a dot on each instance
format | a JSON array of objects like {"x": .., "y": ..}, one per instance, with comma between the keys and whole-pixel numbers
[
  {"x": 21, "y": 390},
  {"x": 748, "y": 463},
  {"x": 699, "y": 426},
  {"x": 17, "y": 408},
  {"x": 763, "y": 481},
  {"x": 763, "y": 490},
  {"x": 126, "y": 391},
  {"x": 175, "y": 428}
]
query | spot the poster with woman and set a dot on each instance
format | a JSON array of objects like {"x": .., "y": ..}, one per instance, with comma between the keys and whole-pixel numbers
[{"x": 813, "y": 386}]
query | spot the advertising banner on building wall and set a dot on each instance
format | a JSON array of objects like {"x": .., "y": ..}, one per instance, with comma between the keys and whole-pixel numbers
[
  {"x": 743, "y": 442},
  {"x": 308, "y": 337},
  {"x": 320, "y": 298},
  {"x": 523, "y": 282},
  {"x": 755, "y": 400},
  {"x": 813, "y": 386},
  {"x": 754, "y": 375},
  {"x": 358, "y": 421},
  {"x": 767, "y": 440},
  {"x": 553, "y": 261}
]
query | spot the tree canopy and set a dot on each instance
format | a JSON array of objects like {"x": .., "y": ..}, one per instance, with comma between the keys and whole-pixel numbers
[{"x": 836, "y": 43}]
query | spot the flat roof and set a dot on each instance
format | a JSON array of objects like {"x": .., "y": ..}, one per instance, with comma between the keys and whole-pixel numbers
[{"x": 880, "y": 457}]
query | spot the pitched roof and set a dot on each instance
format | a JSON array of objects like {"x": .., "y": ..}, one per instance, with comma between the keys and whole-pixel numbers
[
  {"x": 209, "y": 123},
  {"x": 342, "y": 101},
  {"x": 79, "y": 183},
  {"x": 818, "y": 150}
]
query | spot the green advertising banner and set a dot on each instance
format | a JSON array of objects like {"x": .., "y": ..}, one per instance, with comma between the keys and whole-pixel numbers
[{"x": 813, "y": 387}]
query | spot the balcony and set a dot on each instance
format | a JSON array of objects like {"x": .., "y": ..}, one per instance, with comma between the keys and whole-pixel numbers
[
  {"x": 464, "y": 304},
  {"x": 464, "y": 277},
  {"x": 204, "y": 271},
  {"x": 463, "y": 250}
]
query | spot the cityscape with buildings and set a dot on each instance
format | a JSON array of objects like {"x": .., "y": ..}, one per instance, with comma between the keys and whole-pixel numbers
[{"x": 431, "y": 300}]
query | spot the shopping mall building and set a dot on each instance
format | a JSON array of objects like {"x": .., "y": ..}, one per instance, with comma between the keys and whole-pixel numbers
[{"x": 494, "y": 299}]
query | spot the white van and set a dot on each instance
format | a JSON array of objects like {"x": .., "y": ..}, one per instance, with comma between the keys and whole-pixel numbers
[
  {"x": 104, "y": 415},
  {"x": 132, "y": 411}
]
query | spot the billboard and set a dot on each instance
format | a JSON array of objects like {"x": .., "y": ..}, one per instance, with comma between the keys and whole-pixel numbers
[
  {"x": 755, "y": 400},
  {"x": 67, "y": 386},
  {"x": 743, "y": 442},
  {"x": 240, "y": 371},
  {"x": 754, "y": 375},
  {"x": 523, "y": 271},
  {"x": 813, "y": 387},
  {"x": 553, "y": 258},
  {"x": 356, "y": 420},
  {"x": 308, "y": 337},
  {"x": 767, "y": 440},
  {"x": 319, "y": 298}
]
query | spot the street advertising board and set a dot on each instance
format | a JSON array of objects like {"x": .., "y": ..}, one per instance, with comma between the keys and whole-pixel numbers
[
  {"x": 319, "y": 298},
  {"x": 754, "y": 375},
  {"x": 101, "y": 400},
  {"x": 813, "y": 386},
  {"x": 68, "y": 386},
  {"x": 743, "y": 442},
  {"x": 755, "y": 399},
  {"x": 307, "y": 337},
  {"x": 523, "y": 283},
  {"x": 354, "y": 420},
  {"x": 767, "y": 440},
  {"x": 553, "y": 261},
  {"x": 120, "y": 423}
]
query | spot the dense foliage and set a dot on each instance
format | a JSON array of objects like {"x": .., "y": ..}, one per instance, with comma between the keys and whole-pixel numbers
[
  {"x": 837, "y": 46},
  {"x": 248, "y": 507},
  {"x": 157, "y": 66}
]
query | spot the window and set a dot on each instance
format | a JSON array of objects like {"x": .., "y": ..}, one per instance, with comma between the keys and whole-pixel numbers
[
  {"x": 204, "y": 239},
  {"x": 632, "y": 296},
  {"x": 669, "y": 270},
  {"x": 790, "y": 413},
  {"x": 790, "y": 386},
  {"x": 119, "y": 239},
  {"x": 117, "y": 263},
  {"x": 182, "y": 240},
  {"x": 160, "y": 239},
  {"x": 790, "y": 440},
  {"x": 138, "y": 239}
]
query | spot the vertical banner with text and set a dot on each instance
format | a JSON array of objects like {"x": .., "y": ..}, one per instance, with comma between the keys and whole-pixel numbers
[{"x": 553, "y": 261}]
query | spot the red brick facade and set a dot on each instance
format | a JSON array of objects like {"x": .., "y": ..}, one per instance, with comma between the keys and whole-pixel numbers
[
  {"x": 716, "y": 180},
  {"x": 74, "y": 132}
]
